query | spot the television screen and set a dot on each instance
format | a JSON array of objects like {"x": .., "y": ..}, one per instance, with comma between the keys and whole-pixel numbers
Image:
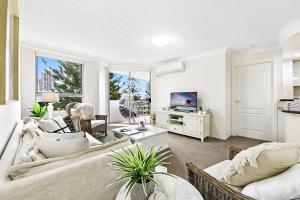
[{"x": 184, "y": 100}]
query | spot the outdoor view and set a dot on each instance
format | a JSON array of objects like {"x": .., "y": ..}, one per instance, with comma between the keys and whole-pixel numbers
[
  {"x": 130, "y": 94},
  {"x": 59, "y": 76}
]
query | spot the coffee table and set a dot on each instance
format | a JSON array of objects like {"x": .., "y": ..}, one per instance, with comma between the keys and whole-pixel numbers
[{"x": 152, "y": 136}]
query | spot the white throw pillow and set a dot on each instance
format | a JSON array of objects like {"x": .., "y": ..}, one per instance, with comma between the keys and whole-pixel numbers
[
  {"x": 260, "y": 162},
  {"x": 65, "y": 136},
  {"x": 281, "y": 187},
  {"x": 54, "y": 125},
  {"x": 61, "y": 147}
]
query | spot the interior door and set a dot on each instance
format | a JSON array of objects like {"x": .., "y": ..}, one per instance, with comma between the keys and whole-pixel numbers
[{"x": 253, "y": 99}]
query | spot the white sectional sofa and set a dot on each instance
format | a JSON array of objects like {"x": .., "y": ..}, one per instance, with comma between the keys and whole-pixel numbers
[{"x": 85, "y": 178}]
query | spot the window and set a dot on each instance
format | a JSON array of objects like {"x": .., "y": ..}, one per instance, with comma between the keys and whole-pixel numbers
[{"x": 59, "y": 76}]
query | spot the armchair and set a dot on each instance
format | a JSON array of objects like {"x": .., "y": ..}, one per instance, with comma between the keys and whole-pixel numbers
[
  {"x": 210, "y": 187},
  {"x": 97, "y": 126}
]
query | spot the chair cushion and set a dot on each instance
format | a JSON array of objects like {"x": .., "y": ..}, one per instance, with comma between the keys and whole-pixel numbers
[
  {"x": 259, "y": 162},
  {"x": 217, "y": 170},
  {"x": 280, "y": 187},
  {"x": 95, "y": 123}
]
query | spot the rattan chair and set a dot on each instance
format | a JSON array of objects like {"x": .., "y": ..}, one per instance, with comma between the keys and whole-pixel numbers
[
  {"x": 96, "y": 127},
  {"x": 211, "y": 188}
]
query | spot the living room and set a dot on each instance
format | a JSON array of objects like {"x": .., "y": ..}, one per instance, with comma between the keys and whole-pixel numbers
[{"x": 87, "y": 88}]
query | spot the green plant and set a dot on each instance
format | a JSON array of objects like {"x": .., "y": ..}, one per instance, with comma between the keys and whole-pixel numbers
[
  {"x": 153, "y": 116},
  {"x": 38, "y": 110},
  {"x": 138, "y": 166}
]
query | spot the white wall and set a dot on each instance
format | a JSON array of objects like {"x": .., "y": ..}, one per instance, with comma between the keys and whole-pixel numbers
[
  {"x": 91, "y": 80},
  {"x": 210, "y": 77},
  {"x": 274, "y": 56}
]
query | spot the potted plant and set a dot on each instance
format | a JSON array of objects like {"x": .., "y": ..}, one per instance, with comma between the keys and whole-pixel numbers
[
  {"x": 138, "y": 168},
  {"x": 38, "y": 111},
  {"x": 153, "y": 118}
]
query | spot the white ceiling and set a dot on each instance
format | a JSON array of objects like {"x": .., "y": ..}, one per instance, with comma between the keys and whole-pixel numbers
[{"x": 120, "y": 30}]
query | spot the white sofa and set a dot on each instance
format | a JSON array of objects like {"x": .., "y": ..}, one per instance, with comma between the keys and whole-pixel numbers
[{"x": 85, "y": 179}]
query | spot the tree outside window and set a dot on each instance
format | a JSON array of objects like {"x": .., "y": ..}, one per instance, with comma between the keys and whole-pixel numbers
[{"x": 60, "y": 76}]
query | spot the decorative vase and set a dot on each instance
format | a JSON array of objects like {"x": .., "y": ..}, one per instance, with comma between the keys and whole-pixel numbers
[
  {"x": 153, "y": 121},
  {"x": 137, "y": 191}
]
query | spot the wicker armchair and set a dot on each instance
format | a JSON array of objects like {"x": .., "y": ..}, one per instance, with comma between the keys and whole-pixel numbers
[
  {"x": 96, "y": 127},
  {"x": 211, "y": 188}
]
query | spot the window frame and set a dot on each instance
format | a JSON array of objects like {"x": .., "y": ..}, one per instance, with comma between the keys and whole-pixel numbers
[{"x": 38, "y": 94}]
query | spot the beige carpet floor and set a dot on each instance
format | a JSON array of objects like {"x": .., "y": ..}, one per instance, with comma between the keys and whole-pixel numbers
[{"x": 205, "y": 154}]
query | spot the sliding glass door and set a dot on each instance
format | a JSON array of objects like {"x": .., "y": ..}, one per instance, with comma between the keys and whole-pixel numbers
[{"x": 130, "y": 97}]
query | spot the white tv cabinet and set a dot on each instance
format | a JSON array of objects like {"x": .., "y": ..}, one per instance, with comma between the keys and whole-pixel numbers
[{"x": 190, "y": 124}]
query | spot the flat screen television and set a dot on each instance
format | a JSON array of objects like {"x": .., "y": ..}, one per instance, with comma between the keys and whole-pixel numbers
[{"x": 184, "y": 101}]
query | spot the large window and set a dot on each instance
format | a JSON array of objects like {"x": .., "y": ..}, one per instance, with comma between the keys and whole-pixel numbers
[{"x": 59, "y": 76}]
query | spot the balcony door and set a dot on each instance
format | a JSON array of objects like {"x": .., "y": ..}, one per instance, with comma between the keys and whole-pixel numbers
[{"x": 130, "y": 97}]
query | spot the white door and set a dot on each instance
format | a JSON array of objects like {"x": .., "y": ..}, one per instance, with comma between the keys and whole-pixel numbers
[
  {"x": 192, "y": 126},
  {"x": 252, "y": 101}
]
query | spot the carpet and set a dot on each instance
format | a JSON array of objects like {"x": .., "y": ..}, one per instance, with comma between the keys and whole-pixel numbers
[{"x": 204, "y": 154}]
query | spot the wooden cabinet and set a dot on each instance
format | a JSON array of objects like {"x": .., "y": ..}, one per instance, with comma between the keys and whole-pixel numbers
[{"x": 190, "y": 124}]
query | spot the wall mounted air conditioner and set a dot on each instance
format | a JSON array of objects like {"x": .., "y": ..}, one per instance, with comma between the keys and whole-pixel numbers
[{"x": 169, "y": 68}]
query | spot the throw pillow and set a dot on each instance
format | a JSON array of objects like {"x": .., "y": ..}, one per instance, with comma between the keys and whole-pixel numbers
[
  {"x": 52, "y": 148},
  {"x": 54, "y": 125},
  {"x": 280, "y": 187},
  {"x": 260, "y": 162},
  {"x": 65, "y": 136},
  {"x": 76, "y": 123},
  {"x": 68, "y": 120}
]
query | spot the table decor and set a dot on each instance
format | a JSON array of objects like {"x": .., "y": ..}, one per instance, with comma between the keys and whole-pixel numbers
[{"x": 138, "y": 168}]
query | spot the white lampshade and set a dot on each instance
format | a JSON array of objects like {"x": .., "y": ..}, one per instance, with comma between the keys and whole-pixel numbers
[{"x": 50, "y": 97}]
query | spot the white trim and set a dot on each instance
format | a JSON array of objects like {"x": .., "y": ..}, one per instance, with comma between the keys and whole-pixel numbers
[
  {"x": 260, "y": 49},
  {"x": 288, "y": 30},
  {"x": 204, "y": 54},
  {"x": 128, "y": 68},
  {"x": 43, "y": 48}
]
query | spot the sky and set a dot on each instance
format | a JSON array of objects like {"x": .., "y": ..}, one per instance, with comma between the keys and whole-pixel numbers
[{"x": 53, "y": 63}]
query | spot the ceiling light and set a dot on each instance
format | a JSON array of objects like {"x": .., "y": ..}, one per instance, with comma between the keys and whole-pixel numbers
[{"x": 160, "y": 40}]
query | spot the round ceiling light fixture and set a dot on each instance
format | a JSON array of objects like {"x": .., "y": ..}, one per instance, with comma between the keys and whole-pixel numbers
[{"x": 160, "y": 40}]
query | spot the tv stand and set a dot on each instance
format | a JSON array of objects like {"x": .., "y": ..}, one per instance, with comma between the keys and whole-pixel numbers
[{"x": 184, "y": 123}]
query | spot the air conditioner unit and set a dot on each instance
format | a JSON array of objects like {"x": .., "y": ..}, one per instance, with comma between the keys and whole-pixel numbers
[{"x": 170, "y": 68}]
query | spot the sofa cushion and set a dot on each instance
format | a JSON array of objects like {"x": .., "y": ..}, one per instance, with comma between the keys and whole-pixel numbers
[
  {"x": 61, "y": 147},
  {"x": 28, "y": 169},
  {"x": 259, "y": 162},
  {"x": 54, "y": 125},
  {"x": 92, "y": 141},
  {"x": 280, "y": 187}
]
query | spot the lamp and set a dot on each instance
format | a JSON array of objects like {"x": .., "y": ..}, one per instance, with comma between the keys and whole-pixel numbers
[{"x": 50, "y": 97}]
